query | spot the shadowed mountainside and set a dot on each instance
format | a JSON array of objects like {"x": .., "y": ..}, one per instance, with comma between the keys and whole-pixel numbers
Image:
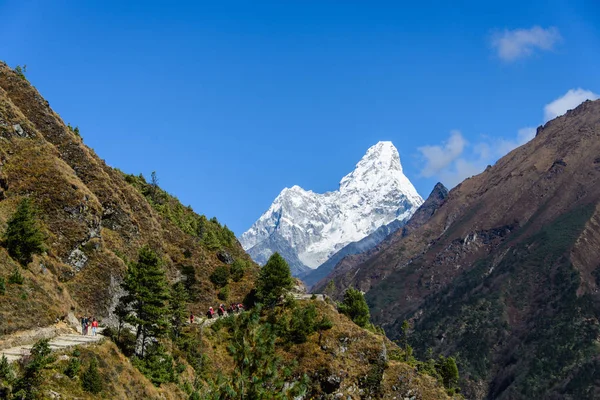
[{"x": 505, "y": 273}]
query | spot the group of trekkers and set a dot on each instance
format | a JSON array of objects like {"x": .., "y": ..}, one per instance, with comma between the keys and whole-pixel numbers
[
  {"x": 234, "y": 308},
  {"x": 87, "y": 323}
]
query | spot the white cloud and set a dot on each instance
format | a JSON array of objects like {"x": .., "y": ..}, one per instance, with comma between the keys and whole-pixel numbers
[
  {"x": 519, "y": 43},
  {"x": 456, "y": 159},
  {"x": 439, "y": 157},
  {"x": 568, "y": 101}
]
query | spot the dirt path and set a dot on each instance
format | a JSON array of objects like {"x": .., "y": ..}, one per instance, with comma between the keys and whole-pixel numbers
[{"x": 57, "y": 343}]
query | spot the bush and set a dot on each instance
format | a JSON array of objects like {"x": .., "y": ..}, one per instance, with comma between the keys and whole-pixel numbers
[
  {"x": 91, "y": 379},
  {"x": 24, "y": 236},
  {"x": 2, "y": 285},
  {"x": 223, "y": 293},
  {"x": 302, "y": 324},
  {"x": 355, "y": 307},
  {"x": 237, "y": 270},
  {"x": 220, "y": 276},
  {"x": 73, "y": 367},
  {"x": 16, "y": 277}
]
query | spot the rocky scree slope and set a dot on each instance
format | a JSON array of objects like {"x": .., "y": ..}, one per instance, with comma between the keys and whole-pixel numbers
[
  {"x": 506, "y": 272},
  {"x": 307, "y": 228},
  {"x": 95, "y": 220}
]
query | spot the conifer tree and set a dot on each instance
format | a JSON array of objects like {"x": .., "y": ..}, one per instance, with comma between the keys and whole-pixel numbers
[
  {"x": 274, "y": 280},
  {"x": 355, "y": 307},
  {"x": 147, "y": 293},
  {"x": 91, "y": 379},
  {"x": 177, "y": 307},
  {"x": 28, "y": 384},
  {"x": 24, "y": 236}
]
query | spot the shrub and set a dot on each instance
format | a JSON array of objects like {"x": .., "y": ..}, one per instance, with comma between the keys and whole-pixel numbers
[
  {"x": 302, "y": 324},
  {"x": 2, "y": 285},
  {"x": 16, "y": 277},
  {"x": 355, "y": 307},
  {"x": 223, "y": 293},
  {"x": 91, "y": 379},
  {"x": 24, "y": 236},
  {"x": 73, "y": 367},
  {"x": 20, "y": 71},
  {"x": 28, "y": 384},
  {"x": 220, "y": 276},
  {"x": 237, "y": 270}
]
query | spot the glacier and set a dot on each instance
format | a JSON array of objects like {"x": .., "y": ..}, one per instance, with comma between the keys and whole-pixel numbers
[{"x": 307, "y": 227}]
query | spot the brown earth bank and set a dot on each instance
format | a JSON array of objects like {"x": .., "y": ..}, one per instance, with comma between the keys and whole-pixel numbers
[{"x": 505, "y": 273}]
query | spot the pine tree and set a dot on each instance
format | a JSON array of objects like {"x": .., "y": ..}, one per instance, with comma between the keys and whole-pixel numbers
[
  {"x": 24, "y": 236},
  {"x": 355, "y": 307},
  {"x": 91, "y": 379},
  {"x": 147, "y": 293},
  {"x": 274, "y": 280},
  {"x": 178, "y": 307},
  {"x": 27, "y": 386}
]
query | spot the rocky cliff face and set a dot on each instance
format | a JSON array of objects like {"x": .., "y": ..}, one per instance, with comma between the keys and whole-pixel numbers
[
  {"x": 316, "y": 225},
  {"x": 505, "y": 273}
]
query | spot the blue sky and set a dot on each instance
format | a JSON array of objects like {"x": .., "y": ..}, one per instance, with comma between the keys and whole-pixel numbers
[{"x": 232, "y": 102}]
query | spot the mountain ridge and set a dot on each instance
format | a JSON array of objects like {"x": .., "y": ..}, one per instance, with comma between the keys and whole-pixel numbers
[{"x": 316, "y": 225}]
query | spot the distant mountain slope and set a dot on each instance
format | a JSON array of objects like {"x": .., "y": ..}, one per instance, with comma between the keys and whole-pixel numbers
[
  {"x": 355, "y": 254},
  {"x": 505, "y": 273},
  {"x": 316, "y": 225},
  {"x": 313, "y": 276}
]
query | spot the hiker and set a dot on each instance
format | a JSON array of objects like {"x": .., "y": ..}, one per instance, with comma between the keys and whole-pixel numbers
[
  {"x": 82, "y": 325},
  {"x": 210, "y": 312},
  {"x": 231, "y": 309},
  {"x": 241, "y": 307},
  {"x": 89, "y": 325},
  {"x": 85, "y": 326},
  {"x": 94, "y": 326},
  {"x": 191, "y": 318},
  {"x": 221, "y": 310}
]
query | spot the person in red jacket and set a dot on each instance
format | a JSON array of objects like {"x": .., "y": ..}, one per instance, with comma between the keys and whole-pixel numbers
[
  {"x": 94, "y": 326},
  {"x": 191, "y": 318}
]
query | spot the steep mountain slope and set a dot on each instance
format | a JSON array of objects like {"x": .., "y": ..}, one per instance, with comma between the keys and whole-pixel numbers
[
  {"x": 95, "y": 219},
  {"x": 315, "y": 275},
  {"x": 349, "y": 261},
  {"x": 316, "y": 225},
  {"x": 505, "y": 273}
]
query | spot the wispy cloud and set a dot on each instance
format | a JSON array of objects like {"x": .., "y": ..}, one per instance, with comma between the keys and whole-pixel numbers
[
  {"x": 439, "y": 157},
  {"x": 456, "y": 159},
  {"x": 566, "y": 102},
  {"x": 511, "y": 45}
]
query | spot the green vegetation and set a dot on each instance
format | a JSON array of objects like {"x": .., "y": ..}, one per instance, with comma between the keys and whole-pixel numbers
[
  {"x": 145, "y": 302},
  {"x": 157, "y": 365},
  {"x": 2, "y": 285},
  {"x": 223, "y": 293},
  {"x": 274, "y": 280},
  {"x": 75, "y": 130},
  {"x": 220, "y": 276},
  {"x": 355, "y": 307},
  {"x": 20, "y": 71},
  {"x": 16, "y": 277},
  {"x": 73, "y": 367},
  {"x": 178, "y": 308},
  {"x": 237, "y": 269},
  {"x": 7, "y": 378},
  {"x": 24, "y": 236},
  {"x": 28, "y": 384},
  {"x": 210, "y": 232},
  {"x": 537, "y": 283},
  {"x": 258, "y": 373},
  {"x": 91, "y": 381}
]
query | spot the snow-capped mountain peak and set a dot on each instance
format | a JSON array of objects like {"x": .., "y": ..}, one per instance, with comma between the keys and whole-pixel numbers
[{"x": 316, "y": 225}]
